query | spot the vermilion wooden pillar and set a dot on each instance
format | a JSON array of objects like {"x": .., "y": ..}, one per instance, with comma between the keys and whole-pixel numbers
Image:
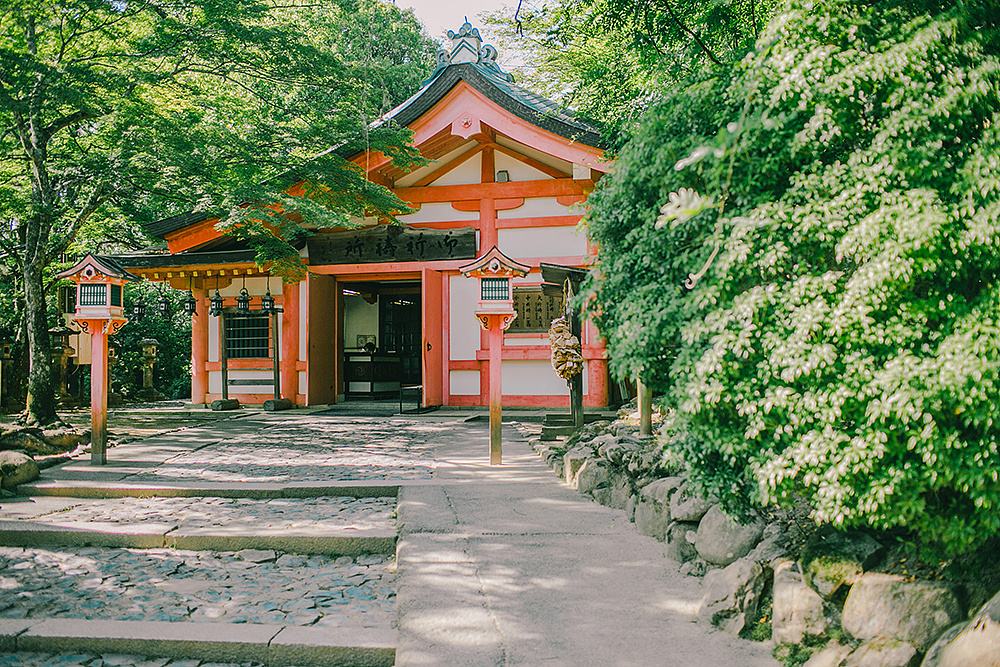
[
  {"x": 290, "y": 341},
  {"x": 496, "y": 328},
  {"x": 98, "y": 394},
  {"x": 199, "y": 347}
]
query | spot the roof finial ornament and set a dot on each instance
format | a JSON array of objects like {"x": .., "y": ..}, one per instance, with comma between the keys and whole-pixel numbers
[{"x": 467, "y": 47}]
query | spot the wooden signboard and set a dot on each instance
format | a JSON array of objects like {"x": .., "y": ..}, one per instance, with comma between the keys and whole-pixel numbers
[{"x": 392, "y": 243}]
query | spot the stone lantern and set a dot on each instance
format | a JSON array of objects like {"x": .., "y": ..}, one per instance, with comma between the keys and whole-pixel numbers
[
  {"x": 150, "y": 347},
  {"x": 495, "y": 314},
  {"x": 99, "y": 282},
  {"x": 61, "y": 353}
]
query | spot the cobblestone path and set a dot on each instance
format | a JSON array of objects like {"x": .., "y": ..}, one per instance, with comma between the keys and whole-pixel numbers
[
  {"x": 317, "y": 514},
  {"x": 251, "y": 586},
  {"x": 174, "y": 585},
  {"x": 308, "y": 450}
]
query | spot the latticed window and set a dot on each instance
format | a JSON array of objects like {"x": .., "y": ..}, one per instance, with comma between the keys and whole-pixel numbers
[
  {"x": 535, "y": 309},
  {"x": 247, "y": 336},
  {"x": 93, "y": 295},
  {"x": 495, "y": 289}
]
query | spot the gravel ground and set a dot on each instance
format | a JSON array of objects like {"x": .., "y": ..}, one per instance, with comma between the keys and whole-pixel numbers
[
  {"x": 172, "y": 585},
  {"x": 314, "y": 514}
]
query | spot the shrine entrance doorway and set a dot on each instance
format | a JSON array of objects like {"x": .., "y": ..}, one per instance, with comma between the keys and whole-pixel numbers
[{"x": 382, "y": 337}]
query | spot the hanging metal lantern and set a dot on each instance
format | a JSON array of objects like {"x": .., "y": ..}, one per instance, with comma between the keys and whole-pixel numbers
[
  {"x": 138, "y": 309},
  {"x": 267, "y": 304},
  {"x": 216, "y": 304},
  {"x": 190, "y": 304},
  {"x": 243, "y": 301},
  {"x": 164, "y": 306}
]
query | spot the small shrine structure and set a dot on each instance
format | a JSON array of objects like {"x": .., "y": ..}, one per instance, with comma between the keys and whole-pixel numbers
[{"x": 385, "y": 307}]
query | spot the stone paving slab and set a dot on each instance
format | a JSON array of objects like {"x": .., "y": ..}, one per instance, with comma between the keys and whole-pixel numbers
[
  {"x": 307, "y": 449},
  {"x": 238, "y": 643},
  {"x": 134, "y": 643},
  {"x": 257, "y": 586},
  {"x": 32, "y": 659},
  {"x": 383, "y": 488}
]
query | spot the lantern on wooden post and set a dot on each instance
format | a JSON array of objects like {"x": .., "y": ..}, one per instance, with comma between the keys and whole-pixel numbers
[
  {"x": 495, "y": 314},
  {"x": 99, "y": 285}
]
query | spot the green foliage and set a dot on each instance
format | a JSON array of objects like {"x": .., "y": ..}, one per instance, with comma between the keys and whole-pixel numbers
[
  {"x": 841, "y": 342},
  {"x": 611, "y": 60},
  {"x": 172, "y": 372}
]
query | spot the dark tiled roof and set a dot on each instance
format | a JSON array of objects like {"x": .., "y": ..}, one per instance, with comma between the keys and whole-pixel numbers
[
  {"x": 488, "y": 80},
  {"x": 165, "y": 260},
  {"x": 485, "y": 77}
]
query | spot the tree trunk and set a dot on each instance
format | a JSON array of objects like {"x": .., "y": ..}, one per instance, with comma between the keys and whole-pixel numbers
[{"x": 40, "y": 407}]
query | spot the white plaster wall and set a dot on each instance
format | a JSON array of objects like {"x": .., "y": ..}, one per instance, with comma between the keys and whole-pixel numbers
[
  {"x": 542, "y": 242},
  {"x": 265, "y": 387},
  {"x": 463, "y": 296},
  {"x": 551, "y": 160},
  {"x": 463, "y": 383},
  {"x": 360, "y": 318},
  {"x": 438, "y": 212},
  {"x": 538, "y": 207},
  {"x": 468, "y": 172},
  {"x": 532, "y": 378},
  {"x": 303, "y": 382},
  {"x": 526, "y": 342},
  {"x": 213, "y": 338},
  {"x": 416, "y": 175},
  {"x": 519, "y": 171}
]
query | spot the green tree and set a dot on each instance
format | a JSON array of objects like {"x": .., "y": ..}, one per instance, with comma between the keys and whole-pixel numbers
[
  {"x": 611, "y": 60},
  {"x": 113, "y": 114},
  {"x": 834, "y": 206}
]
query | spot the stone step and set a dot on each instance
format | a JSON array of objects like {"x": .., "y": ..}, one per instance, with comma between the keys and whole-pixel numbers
[
  {"x": 553, "y": 432},
  {"x": 92, "y": 489},
  {"x": 561, "y": 419},
  {"x": 228, "y": 642},
  {"x": 153, "y": 536}
]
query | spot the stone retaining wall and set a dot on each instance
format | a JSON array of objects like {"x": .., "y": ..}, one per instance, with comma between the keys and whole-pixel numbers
[{"x": 824, "y": 606}]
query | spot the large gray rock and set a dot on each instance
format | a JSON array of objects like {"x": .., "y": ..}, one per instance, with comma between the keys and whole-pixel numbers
[
  {"x": 591, "y": 477},
  {"x": 16, "y": 468},
  {"x": 832, "y": 655},
  {"x": 835, "y": 559},
  {"x": 619, "y": 491},
  {"x": 573, "y": 460},
  {"x": 29, "y": 440},
  {"x": 884, "y": 653},
  {"x": 676, "y": 545},
  {"x": 722, "y": 540},
  {"x": 686, "y": 506},
  {"x": 732, "y": 594},
  {"x": 798, "y": 609},
  {"x": 652, "y": 511},
  {"x": 773, "y": 545},
  {"x": 887, "y": 606},
  {"x": 65, "y": 437},
  {"x": 974, "y": 643}
]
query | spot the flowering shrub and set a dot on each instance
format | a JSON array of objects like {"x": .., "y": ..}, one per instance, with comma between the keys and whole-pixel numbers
[{"x": 833, "y": 204}]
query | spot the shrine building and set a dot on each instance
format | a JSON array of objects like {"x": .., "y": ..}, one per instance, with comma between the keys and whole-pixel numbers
[{"x": 385, "y": 306}]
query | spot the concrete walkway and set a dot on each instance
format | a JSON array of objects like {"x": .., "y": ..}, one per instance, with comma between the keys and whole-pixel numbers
[{"x": 506, "y": 566}]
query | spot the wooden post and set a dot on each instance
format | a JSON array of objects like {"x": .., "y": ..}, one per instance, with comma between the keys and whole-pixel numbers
[
  {"x": 645, "y": 400},
  {"x": 496, "y": 392},
  {"x": 223, "y": 357},
  {"x": 290, "y": 341},
  {"x": 277, "y": 362},
  {"x": 98, "y": 395},
  {"x": 576, "y": 383},
  {"x": 199, "y": 347}
]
